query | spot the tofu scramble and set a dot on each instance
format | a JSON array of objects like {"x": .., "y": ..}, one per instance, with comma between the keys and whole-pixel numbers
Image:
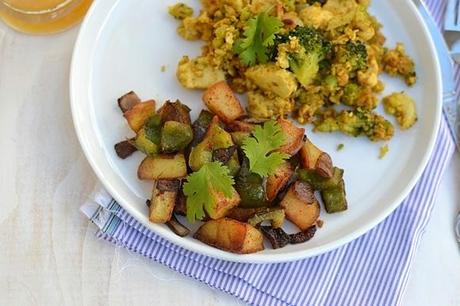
[{"x": 302, "y": 58}]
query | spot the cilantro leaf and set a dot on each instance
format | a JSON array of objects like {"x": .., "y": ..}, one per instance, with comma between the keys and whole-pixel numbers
[
  {"x": 212, "y": 177},
  {"x": 260, "y": 147},
  {"x": 258, "y": 36}
]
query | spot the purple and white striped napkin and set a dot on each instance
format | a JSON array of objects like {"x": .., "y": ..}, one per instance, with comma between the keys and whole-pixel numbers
[{"x": 371, "y": 270}]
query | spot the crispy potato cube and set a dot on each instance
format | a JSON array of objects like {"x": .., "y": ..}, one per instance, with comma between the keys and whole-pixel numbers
[
  {"x": 231, "y": 235},
  {"x": 164, "y": 196},
  {"x": 277, "y": 180},
  {"x": 222, "y": 204},
  {"x": 162, "y": 167},
  {"x": 221, "y": 100},
  {"x": 312, "y": 158},
  {"x": 300, "y": 205},
  {"x": 139, "y": 113},
  {"x": 293, "y": 137},
  {"x": 216, "y": 138}
]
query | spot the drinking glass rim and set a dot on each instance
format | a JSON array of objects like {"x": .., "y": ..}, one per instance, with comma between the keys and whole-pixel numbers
[{"x": 37, "y": 12}]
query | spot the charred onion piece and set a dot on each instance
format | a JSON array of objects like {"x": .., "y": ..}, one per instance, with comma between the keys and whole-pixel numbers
[
  {"x": 177, "y": 227},
  {"x": 125, "y": 148},
  {"x": 223, "y": 155},
  {"x": 241, "y": 214},
  {"x": 277, "y": 237},
  {"x": 168, "y": 185},
  {"x": 175, "y": 111},
  {"x": 181, "y": 207},
  {"x": 200, "y": 127},
  {"x": 128, "y": 101},
  {"x": 302, "y": 236}
]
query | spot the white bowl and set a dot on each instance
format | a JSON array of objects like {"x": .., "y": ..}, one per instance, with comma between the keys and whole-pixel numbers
[{"x": 122, "y": 46}]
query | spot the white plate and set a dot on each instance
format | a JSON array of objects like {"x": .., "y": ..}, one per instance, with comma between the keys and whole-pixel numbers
[{"x": 122, "y": 46}]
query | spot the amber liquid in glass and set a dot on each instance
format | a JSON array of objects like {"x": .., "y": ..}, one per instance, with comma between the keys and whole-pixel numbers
[{"x": 42, "y": 16}]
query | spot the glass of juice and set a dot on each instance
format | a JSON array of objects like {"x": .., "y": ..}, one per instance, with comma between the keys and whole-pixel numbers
[{"x": 42, "y": 16}]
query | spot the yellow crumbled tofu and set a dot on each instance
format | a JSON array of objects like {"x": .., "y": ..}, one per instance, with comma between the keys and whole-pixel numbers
[
  {"x": 264, "y": 106},
  {"x": 402, "y": 107},
  {"x": 397, "y": 62},
  {"x": 193, "y": 28},
  {"x": 198, "y": 73},
  {"x": 271, "y": 78},
  {"x": 315, "y": 16},
  {"x": 180, "y": 11},
  {"x": 383, "y": 151}
]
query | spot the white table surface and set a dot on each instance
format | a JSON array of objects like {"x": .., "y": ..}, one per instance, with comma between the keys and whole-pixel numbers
[{"x": 48, "y": 252}]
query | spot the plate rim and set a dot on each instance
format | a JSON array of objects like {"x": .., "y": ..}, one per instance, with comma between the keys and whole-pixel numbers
[{"x": 256, "y": 257}]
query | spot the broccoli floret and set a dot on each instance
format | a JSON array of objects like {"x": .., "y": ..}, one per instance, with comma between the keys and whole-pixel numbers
[
  {"x": 354, "y": 123},
  {"x": 359, "y": 96},
  {"x": 353, "y": 55},
  {"x": 305, "y": 63},
  {"x": 351, "y": 93}
]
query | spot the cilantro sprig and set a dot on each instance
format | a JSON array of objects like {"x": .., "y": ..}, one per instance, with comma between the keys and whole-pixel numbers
[
  {"x": 260, "y": 148},
  {"x": 258, "y": 36},
  {"x": 212, "y": 177}
]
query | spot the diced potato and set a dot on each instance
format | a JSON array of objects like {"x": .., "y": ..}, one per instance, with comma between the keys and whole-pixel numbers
[
  {"x": 277, "y": 180},
  {"x": 221, "y": 100},
  {"x": 231, "y": 235},
  {"x": 293, "y": 137},
  {"x": 312, "y": 158},
  {"x": 162, "y": 167},
  {"x": 164, "y": 196},
  {"x": 216, "y": 138},
  {"x": 271, "y": 78},
  {"x": 221, "y": 204},
  {"x": 128, "y": 101},
  {"x": 198, "y": 73},
  {"x": 137, "y": 115},
  {"x": 300, "y": 205}
]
